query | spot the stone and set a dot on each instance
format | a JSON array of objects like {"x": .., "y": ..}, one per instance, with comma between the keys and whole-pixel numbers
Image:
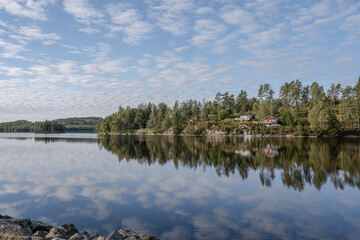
[
  {"x": 37, "y": 225},
  {"x": 96, "y": 236},
  {"x": 131, "y": 235},
  {"x": 131, "y": 238},
  {"x": 70, "y": 228},
  {"x": 146, "y": 237},
  {"x": 14, "y": 227},
  {"x": 77, "y": 236},
  {"x": 126, "y": 233},
  {"x": 93, "y": 236},
  {"x": 40, "y": 233},
  {"x": 114, "y": 236},
  {"x": 57, "y": 233},
  {"x": 37, "y": 238},
  {"x": 84, "y": 233}
]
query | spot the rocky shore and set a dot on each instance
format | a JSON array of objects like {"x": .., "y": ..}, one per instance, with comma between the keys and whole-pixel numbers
[{"x": 26, "y": 229}]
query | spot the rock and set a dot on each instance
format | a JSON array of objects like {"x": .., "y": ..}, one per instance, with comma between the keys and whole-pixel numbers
[
  {"x": 70, "y": 228},
  {"x": 57, "y": 233},
  {"x": 147, "y": 237},
  {"x": 40, "y": 233},
  {"x": 77, "y": 236},
  {"x": 5, "y": 217},
  {"x": 131, "y": 238},
  {"x": 114, "y": 236},
  {"x": 84, "y": 233},
  {"x": 36, "y": 226},
  {"x": 14, "y": 227},
  {"x": 127, "y": 233},
  {"x": 93, "y": 236},
  {"x": 96, "y": 236},
  {"x": 37, "y": 238},
  {"x": 131, "y": 235},
  {"x": 25, "y": 229}
]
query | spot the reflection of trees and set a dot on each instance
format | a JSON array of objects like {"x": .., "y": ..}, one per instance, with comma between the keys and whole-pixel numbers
[
  {"x": 52, "y": 140},
  {"x": 301, "y": 161}
]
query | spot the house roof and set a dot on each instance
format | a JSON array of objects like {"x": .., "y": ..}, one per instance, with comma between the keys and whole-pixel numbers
[{"x": 271, "y": 116}]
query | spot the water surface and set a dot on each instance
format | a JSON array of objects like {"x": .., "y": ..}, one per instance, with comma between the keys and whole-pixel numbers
[{"x": 185, "y": 187}]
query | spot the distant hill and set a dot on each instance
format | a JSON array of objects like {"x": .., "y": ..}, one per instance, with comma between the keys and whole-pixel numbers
[
  {"x": 17, "y": 126},
  {"x": 79, "y": 123},
  {"x": 83, "y": 124}
]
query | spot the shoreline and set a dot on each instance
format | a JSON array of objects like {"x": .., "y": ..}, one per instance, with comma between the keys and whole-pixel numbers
[
  {"x": 205, "y": 135},
  {"x": 26, "y": 229},
  {"x": 225, "y": 135}
]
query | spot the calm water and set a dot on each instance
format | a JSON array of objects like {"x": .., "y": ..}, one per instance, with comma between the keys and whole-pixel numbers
[{"x": 189, "y": 188}]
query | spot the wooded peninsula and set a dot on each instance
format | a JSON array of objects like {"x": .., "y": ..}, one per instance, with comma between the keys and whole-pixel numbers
[{"x": 300, "y": 110}]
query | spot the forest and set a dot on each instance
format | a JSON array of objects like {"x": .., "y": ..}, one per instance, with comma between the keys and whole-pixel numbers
[
  {"x": 49, "y": 127},
  {"x": 303, "y": 109},
  {"x": 74, "y": 124}
]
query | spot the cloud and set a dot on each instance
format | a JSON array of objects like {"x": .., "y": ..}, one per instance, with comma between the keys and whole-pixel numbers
[
  {"x": 33, "y": 33},
  {"x": 136, "y": 225},
  {"x": 237, "y": 16},
  {"x": 89, "y": 30},
  {"x": 26, "y": 8},
  {"x": 112, "y": 66},
  {"x": 14, "y": 71},
  {"x": 176, "y": 232},
  {"x": 11, "y": 50},
  {"x": 207, "y": 31},
  {"x": 66, "y": 67},
  {"x": 83, "y": 11},
  {"x": 170, "y": 15},
  {"x": 128, "y": 20},
  {"x": 180, "y": 49},
  {"x": 352, "y": 23},
  {"x": 205, "y": 10}
]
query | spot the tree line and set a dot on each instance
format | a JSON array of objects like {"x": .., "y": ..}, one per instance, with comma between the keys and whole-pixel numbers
[
  {"x": 303, "y": 110},
  {"x": 75, "y": 124},
  {"x": 49, "y": 127}
]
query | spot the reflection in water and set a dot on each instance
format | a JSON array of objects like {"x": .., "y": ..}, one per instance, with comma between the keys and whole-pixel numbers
[
  {"x": 185, "y": 187},
  {"x": 301, "y": 160}
]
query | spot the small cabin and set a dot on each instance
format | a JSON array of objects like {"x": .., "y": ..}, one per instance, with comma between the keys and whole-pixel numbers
[
  {"x": 272, "y": 121},
  {"x": 246, "y": 117}
]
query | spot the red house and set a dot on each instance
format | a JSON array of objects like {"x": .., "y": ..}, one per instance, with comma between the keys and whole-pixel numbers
[{"x": 272, "y": 121}]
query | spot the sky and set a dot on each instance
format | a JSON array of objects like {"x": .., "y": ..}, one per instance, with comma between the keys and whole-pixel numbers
[{"x": 65, "y": 58}]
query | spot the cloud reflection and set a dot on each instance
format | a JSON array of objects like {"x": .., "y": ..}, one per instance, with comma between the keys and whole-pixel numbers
[{"x": 82, "y": 181}]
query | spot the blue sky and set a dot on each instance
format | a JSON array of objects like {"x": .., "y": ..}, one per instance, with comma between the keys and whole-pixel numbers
[{"x": 62, "y": 58}]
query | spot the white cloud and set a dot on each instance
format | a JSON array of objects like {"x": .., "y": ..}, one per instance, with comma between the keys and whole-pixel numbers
[
  {"x": 207, "y": 31},
  {"x": 11, "y": 50},
  {"x": 170, "y": 15},
  {"x": 33, "y": 33},
  {"x": 322, "y": 9},
  {"x": 82, "y": 11},
  {"x": 89, "y": 30},
  {"x": 14, "y": 71},
  {"x": 180, "y": 49},
  {"x": 66, "y": 67},
  {"x": 205, "y": 10},
  {"x": 113, "y": 66},
  {"x": 26, "y": 8},
  {"x": 238, "y": 16},
  {"x": 129, "y": 21}
]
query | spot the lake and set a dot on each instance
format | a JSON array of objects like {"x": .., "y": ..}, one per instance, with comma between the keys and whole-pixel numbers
[{"x": 185, "y": 187}]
